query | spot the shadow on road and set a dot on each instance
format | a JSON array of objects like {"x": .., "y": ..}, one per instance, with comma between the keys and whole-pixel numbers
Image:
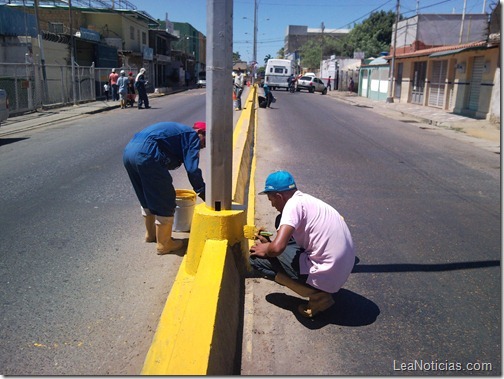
[
  {"x": 7, "y": 141},
  {"x": 350, "y": 309},
  {"x": 410, "y": 267}
]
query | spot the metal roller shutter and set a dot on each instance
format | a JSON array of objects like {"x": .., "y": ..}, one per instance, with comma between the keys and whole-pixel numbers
[
  {"x": 437, "y": 83},
  {"x": 476, "y": 78}
]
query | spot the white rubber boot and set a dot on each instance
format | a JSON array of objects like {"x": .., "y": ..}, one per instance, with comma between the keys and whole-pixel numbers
[
  {"x": 150, "y": 227},
  {"x": 165, "y": 243}
]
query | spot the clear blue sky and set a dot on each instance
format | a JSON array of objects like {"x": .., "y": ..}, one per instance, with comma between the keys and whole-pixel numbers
[{"x": 275, "y": 15}]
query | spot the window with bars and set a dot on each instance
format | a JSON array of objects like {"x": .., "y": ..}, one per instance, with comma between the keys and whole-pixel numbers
[{"x": 56, "y": 27}]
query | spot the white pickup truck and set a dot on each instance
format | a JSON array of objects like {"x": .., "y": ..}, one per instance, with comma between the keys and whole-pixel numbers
[{"x": 4, "y": 106}]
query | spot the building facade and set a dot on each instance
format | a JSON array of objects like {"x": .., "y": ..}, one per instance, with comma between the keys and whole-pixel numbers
[
  {"x": 297, "y": 35},
  {"x": 38, "y": 71},
  {"x": 449, "y": 62}
]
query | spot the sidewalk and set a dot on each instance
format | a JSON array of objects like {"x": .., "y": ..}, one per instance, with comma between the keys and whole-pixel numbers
[
  {"x": 52, "y": 115},
  {"x": 44, "y": 117},
  {"x": 40, "y": 118},
  {"x": 481, "y": 133}
]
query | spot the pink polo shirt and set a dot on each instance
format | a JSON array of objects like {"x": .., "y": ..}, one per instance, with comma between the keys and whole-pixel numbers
[{"x": 328, "y": 256}]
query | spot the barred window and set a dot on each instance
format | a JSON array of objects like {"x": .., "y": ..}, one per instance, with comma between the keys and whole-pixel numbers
[{"x": 56, "y": 27}]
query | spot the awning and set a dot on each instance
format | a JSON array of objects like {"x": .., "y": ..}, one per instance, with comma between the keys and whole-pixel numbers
[{"x": 455, "y": 51}]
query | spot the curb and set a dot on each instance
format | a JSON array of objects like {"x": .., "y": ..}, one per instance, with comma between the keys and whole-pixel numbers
[{"x": 199, "y": 329}]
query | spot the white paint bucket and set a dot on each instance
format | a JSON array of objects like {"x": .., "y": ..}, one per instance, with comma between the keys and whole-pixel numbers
[{"x": 186, "y": 201}]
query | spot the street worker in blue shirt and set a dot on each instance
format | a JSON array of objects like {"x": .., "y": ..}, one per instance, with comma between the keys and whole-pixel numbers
[
  {"x": 148, "y": 157},
  {"x": 313, "y": 252}
]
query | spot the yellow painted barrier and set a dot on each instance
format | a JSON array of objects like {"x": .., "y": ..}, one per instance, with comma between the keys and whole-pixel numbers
[
  {"x": 209, "y": 224},
  {"x": 199, "y": 327},
  {"x": 184, "y": 342}
]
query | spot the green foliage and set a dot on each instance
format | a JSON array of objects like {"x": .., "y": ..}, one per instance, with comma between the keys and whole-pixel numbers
[
  {"x": 266, "y": 58},
  {"x": 236, "y": 56},
  {"x": 311, "y": 53},
  {"x": 281, "y": 53},
  {"x": 372, "y": 36}
]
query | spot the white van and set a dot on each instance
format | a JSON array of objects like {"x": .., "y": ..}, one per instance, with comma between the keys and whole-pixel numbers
[{"x": 278, "y": 71}]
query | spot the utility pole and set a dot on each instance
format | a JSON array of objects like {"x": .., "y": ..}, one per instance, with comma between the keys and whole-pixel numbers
[
  {"x": 219, "y": 113},
  {"x": 254, "y": 55},
  {"x": 462, "y": 23},
  {"x": 322, "y": 27},
  {"x": 390, "y": 98},
  {"x": 72, "y": 52},
  {"x": 42, "y": 57}
]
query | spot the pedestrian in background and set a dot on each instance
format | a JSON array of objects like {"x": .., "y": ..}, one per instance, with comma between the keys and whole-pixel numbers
[
  {"x": 322, "y": 258},
  {"x": 187, "y": 78},
  {"x": 106, "y": 89},
  {"x": 329, "y": 83},
  {"x": 140, "y": 84},
  {"x": 113, "y": 84},
  {"x": 131, "y": 89},
  {"x": 238, "y": 89},
  {"x": 351, "y": 85},
  {"x": 148, "y": 157},
  {"x": 268, "y": 95},
  {"x": 122, "y": 84}
]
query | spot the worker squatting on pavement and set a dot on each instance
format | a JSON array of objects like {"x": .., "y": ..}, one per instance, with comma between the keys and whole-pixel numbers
[
  {"x": 313, "y": 252},
  {"x": 148, "y": 157}
]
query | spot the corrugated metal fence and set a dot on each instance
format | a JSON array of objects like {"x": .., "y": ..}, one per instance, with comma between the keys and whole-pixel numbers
[{"x": 31, "y": 86}]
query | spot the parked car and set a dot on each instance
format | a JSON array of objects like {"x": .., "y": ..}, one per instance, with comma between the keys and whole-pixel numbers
[
  {"x": 311, "y": 84},
  {"x": 4, "y": 106},
  {"x": 201, "y": 80}
]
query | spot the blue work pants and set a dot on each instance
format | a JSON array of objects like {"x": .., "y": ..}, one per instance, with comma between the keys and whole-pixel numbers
[{"x": 152, "y": 183}]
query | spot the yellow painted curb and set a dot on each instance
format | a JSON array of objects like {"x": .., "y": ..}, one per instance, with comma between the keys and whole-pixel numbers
[
  {"x": 182, "y": 344},
  {"x": 209, "y": 224},
  {"x": 199, "y": 326},
  {"x": 243, "y": 148}
]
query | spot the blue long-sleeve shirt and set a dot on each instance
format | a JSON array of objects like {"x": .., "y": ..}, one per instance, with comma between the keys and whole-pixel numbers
[{"x": 170, "y": 144}]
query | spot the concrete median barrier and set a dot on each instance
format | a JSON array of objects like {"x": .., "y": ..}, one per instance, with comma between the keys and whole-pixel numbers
[{"x": 199, "y": 329}]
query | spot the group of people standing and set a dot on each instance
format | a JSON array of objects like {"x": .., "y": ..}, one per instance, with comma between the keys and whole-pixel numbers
[{"x": 125, "y": 88}]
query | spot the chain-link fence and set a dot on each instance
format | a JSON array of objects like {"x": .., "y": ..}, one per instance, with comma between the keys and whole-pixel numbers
[{"x": 32, "y": 86}]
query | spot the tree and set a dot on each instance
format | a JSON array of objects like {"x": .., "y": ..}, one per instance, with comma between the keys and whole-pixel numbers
[
  {"x": 311, "y": 52},
  {"x": 281, "y": 53},
  {"x": 236, "y": 57},
  {"x": 266, "y": 58},
  {"x": 372, "y": 36}
]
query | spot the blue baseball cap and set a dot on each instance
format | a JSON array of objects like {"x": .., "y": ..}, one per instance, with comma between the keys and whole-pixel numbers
[{"x": 279, "y": 181}]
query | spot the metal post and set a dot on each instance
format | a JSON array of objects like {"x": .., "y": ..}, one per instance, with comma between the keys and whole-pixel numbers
[
  {"x": 254, "y": 57},
  {"x": 45, "y": 93},
  {"x": 219, "y": 112},
  {"x": 390, "y": 98},
  {"x": 72, "y": 52},
  {"x": 462, "y": 22}
]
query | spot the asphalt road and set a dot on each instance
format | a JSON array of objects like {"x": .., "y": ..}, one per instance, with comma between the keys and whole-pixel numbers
[
  {"x": 424, "y": 211},
  {"x": 81, "y": 293}
]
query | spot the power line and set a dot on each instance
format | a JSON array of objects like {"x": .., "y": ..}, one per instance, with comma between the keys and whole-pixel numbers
[{"x": 367, "y": 14}]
